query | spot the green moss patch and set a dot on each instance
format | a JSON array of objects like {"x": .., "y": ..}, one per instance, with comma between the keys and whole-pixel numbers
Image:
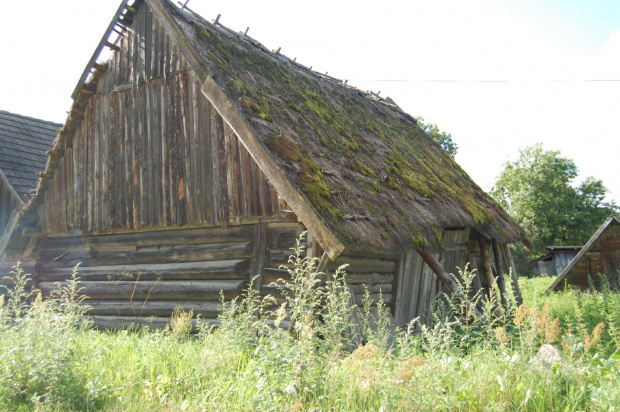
[
  {"x": 310, "y": 177},
  {"x": 360, "y": 167},
  {"x": 261, "y": 111},
  {"x": 418, "y": 241}
]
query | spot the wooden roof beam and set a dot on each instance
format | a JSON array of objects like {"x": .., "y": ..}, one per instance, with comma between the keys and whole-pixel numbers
[{"x": 121, "y": 14}]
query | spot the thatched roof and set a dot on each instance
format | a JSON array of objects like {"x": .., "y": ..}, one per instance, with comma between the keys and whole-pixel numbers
[
  {"x": 358, "y": 171},
  {"x": 23, "y": 143},
  {"x": 374, "y": 177}
]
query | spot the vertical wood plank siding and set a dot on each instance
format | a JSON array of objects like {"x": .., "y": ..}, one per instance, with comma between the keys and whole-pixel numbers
[{"x": 152, "y": 151}]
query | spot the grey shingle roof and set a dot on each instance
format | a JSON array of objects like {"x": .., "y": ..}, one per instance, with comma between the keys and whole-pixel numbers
[{"x": 23, "y": 143}]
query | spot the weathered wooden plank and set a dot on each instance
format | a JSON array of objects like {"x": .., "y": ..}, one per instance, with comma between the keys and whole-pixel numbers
[
  {"x": 140, "y": 23},
  {"x": 410, "y": 288},
  {"x": 90, "y": 164},
  {"x": 272, "y": 275},
  {"x": 369, "y": 278},
  {"x": 363, "y": 265},
  {"x": 203, "y": 155},
  {"x": 189, "y": 154},
  {"x": 258, "y": 254},
  {"x": 154, "y": 290},
  {"x": 181, "y": 134},
  {"x": 486, "y": 267},
  {"x": 217, "y": 139},
  {"x": 385, "y": 288},
  {"x": 112, "y": 214},
  {"x": 424, "y": 295},
  {"x": 148, "y": 43},
  {"x": 135, "y": 151},
  {"x": 152, "y": 254},
  {"x": 104, "y": 116},
  {"x": 69, "y": 188},
  {"x": 245, "y": 190},
  {"x": 201, "y": 270},
  {"x": 447, "y": 282},
  {"x": 232, "y": 175},
  {"x": 277, "y": 258},
  {"x": 151, "y": 140},
  {"x": 142, "y": 150},
  {"x": 514, "y": 280},
  {"x": 282, "y": 237},
  {"x": 196, "y": 149},
  {"x": 76, "y": 176},
  {"x": 61, "y": 193},
  {"x": 501, "y": 269},
  {"x": 141, "y": 308},
  {"x": 255, "y": 188},
  {"x": 242, "y": 233}
]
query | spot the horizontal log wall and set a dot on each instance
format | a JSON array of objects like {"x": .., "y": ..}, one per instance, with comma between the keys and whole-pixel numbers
[
  {"x": 134, "y": 276},
  {"x": 376, "y": 275},
  {"x": 152, "y": 151},
  {"x": 281, "y": 238}
]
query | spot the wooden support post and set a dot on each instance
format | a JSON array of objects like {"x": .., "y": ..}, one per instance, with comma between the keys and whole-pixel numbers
[
  {"x": 513, "y": 274},
  {"x": 501, "y": 269},
  {"x": 486, "y": 265},
  {"x": 445, "y": 278},
  {"x": 258, "y": 255},
  {"x": 477, "y": 285}
]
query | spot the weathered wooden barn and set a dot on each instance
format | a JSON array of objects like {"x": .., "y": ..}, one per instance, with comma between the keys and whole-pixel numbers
[
  {"x": 554, "y": 260},
  {"x": 194, "y": 157},
  {"x": 600, "y": 256},
  {"x": 23, "y": 145}
]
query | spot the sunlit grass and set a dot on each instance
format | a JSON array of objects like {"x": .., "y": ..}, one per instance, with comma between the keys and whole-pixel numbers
[{"x": 49, "y": 360}]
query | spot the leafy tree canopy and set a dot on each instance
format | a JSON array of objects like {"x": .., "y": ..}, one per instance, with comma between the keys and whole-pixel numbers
[
  {"x": 443, "y": 139},
  {"x": 538, "y": 191}
]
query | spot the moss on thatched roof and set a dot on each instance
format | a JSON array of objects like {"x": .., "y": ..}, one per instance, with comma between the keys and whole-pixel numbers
[{"x": 375, "y": 178}]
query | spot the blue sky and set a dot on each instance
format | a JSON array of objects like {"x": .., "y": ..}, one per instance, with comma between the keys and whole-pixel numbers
[{"x": 435, "y": 58}]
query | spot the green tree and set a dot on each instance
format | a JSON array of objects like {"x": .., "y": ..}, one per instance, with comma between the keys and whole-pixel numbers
[
  {"x": 443, "y": 139},
  {"x": 537, "y": 190}
]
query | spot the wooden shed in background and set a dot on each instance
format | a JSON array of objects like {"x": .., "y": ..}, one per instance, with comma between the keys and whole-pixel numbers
[
  {"x": 600, "y": 256},
  {"x": 194, "y": 157},
  {"x": 24, "y": 142},
  {"x": 554, "y": 261}
]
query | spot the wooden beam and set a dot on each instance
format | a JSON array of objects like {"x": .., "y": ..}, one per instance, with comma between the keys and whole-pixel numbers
[
  {"x": 486, "y": 267},
  {"x": 112, "y": 46},
  {"x": 8, "y": 231},
  {"x": 300, "y": 205},
  {"x": 446, "y": 279},
  {"x": 258, "y": 255},
  {"x": 513, "y": 274},
  {"x": 97, "y": 52},
  {"x": 501, "y": 269},
  {"x": 155, "y": 290}
]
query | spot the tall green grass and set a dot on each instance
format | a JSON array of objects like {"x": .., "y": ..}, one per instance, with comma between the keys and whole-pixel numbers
[{"x": 304, "y": 352}]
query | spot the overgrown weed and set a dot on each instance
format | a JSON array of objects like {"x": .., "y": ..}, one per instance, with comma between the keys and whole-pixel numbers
[{"x": 311, "y": 349}]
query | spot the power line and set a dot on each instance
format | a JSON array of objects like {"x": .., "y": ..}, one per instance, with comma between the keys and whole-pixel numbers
[{"x": 485, "y": 81}]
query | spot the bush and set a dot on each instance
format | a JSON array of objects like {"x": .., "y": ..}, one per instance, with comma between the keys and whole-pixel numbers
[{"x": 39, "y": 363}]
